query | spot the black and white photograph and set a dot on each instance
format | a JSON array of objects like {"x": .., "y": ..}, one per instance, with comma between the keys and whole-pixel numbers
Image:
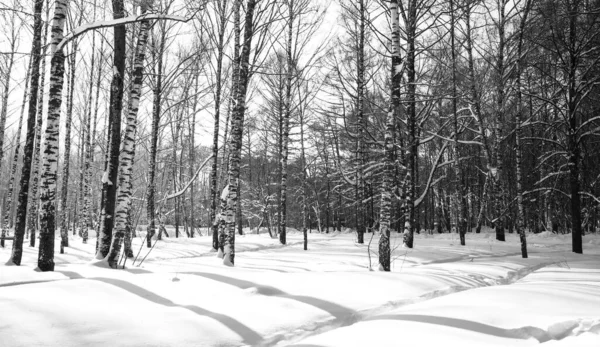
[{"x": 309, "y": 173}]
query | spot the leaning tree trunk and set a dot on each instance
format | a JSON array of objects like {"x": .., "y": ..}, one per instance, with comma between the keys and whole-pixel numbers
[
  {"x": 109, "y": 186},
  {"x": 64, "y": 234},
  {"x": 237, "y": 125},
  {"x": 128, "y": 149},
  {"x": 13, "y": 170},
  {"x": 387, "y": 184}
]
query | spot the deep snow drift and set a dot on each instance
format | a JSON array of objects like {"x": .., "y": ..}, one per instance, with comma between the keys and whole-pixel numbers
[{"x": 439, "y": 293}]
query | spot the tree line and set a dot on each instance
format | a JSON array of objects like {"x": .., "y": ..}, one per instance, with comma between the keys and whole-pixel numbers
[{"x": 399, "y": 116}]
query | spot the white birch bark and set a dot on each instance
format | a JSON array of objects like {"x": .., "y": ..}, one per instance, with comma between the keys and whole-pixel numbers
[{"x": 51, "y": 138}]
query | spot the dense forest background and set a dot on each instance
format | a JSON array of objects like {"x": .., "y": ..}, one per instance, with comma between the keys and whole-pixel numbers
[{"x": 380, "y": 116}]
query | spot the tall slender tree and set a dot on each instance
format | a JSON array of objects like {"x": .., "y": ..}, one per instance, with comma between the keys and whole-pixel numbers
[
  {"x": 237, "y": 124},
  {"x": 17, "y": 249},
  {"x": 127, "y": 153},
  {"x": 109, "y": 180}
]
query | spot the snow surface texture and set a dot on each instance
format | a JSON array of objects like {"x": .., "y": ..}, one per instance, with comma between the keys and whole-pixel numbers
[{"x": 438, "y": 294}]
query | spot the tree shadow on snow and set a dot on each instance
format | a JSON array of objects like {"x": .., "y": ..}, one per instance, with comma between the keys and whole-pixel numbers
[
  {"x": 523, "y": 333},
  {"x": 248, "y": 335},
  {"x": 338, "y": 311}
]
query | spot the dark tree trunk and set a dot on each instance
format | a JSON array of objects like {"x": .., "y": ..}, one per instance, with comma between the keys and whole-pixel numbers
[
  {"x": 46, "y": 263},
  {"x": 109, "y": 184}
]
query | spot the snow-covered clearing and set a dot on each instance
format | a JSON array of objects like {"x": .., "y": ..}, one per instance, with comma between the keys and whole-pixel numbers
[{"x": 440, "y": 293}]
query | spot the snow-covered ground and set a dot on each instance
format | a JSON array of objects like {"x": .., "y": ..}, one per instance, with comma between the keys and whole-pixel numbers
[{"x": 439, "y": 293}]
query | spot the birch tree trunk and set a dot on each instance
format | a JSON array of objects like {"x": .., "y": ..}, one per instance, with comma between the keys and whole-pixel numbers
[
  {"x": 497, "y": 172},
  {"x": 127, "y": 154},
  {"x": 386, "y": 185},
  {"x": 475, "y": 100},
  {"x": 84, "y": 224},
  {"x": 64, "y": 228},
  {"x": 13, "y": 170},
  {"x": 573, "y": 103},
  {"x": 7, "y": 80},
  {"x": 32, "y": 217},
  {"x": 303, "y": 190},
  {"x": 360, "y": 147},
  {"x": 518, "y": 131},
  {"x": 222, "y": 8},
  {"x": 192, "y": 156},
  {"x": 461, "y": 199},
  {"x": 51, "y": 138},
  {"x": 156, "y": 109},
  {"x": 109, "y": 186},
  {"x": 17, "y": 250},
  {"x": 237, "y": 125},
  {"x": 86, "y": 212},
  {"x": 411, "y": 146},
  {"x": 286, "y": 125}
]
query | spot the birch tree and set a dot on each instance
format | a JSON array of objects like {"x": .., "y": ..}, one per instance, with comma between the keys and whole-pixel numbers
[
  {"x": 386, "y": 187},
  {"x": 127, "y": 152},
  {"x": 109, "y": 179},
  {"x": 51, "y": 138},
  {"x": 237, "y": 125},
  {"x": 13, "y": 168},
  {"x": 17, "y": 249}
]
